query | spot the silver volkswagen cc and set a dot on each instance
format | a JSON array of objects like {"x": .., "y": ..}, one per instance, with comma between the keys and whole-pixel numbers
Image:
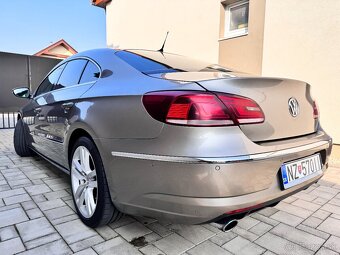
[{"x": 160, "y": 135}]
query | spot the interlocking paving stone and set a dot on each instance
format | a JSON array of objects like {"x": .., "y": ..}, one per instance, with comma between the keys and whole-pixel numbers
[
  {"x": 331, "y": 226},
  {"x": 42, "y": 240},
  {"x": 321, "y": 214},
  {"x": 133, "y": 230},
  {"x": 55, "y": 248},
  {"x": 313, "y": 231},
  {"x": 106, "y": 232},
  {"x": 195, "y": 234},
  {"x": 312, "y": 222},
  {"x": 115, "y": 246},
  {"x": 88, "y": 251},
  {"x": 7, "y": 233},
  {"x": 74, "y": 231},
  {"x": 12, "y": 192},
  {"x": 294, "y": 210},
  {"x": 240, "y": 246},
  {"x": 287, "y": 218},
  {"x": 11, "y": 246},
  {"x": 174, "y": 244},
  {"x": 322, "y": 194},
  {"x": 159, "y": 229},
  {"x": 37, "y": 189},
  {"x": 247, "y": 223},
  {"x": 325, "y": 251},
  {"x": 34, "y": 229},
  {"x": 58, "y": 212},
  {"x": 307, "y": 205},
  {"x": 152, "y": 237},
  {"x": 265, "y": 219},
  {"x": 222, "y": 237},
  {"x": 83, "y": 244},
  {"x": 261, "y": 228},
  {"x": 302, "y": 238},
  {"x": 64, "y": 219},
  {"x": 34, "y": 213},
  {"x": 320, "y": 201},
  {"x": 333, "y": 243},
  {"x": 151, "y": 250},
  {"x": 280, "y": 245},
  {"x": 245, "y": 234},
  {"x": 305, "y": 196},
  {"x": 12, "y": 216},
  {"x": 28, "y": 205},
  {"x": 122, "y": 222},
  {"x": 51, "y": 204},
  {"x": 208, "y": 247},
  {"x": 56, "y": 194},
  {"x": 331, "y": 208}
]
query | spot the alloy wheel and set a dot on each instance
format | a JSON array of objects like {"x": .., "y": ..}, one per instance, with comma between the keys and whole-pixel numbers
[{"x": 84, "y": 182}]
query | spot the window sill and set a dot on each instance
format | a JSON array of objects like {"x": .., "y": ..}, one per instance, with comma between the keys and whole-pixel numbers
[{"x": 232, "y": 37}]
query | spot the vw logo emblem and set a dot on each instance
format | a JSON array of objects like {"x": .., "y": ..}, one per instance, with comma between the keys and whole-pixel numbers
[{"x": 293, "y": 107}]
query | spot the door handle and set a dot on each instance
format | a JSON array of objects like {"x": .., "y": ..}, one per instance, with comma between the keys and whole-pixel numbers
[
  {"x": 67, "y": 106},
  {"x": 37, "y": 110}
]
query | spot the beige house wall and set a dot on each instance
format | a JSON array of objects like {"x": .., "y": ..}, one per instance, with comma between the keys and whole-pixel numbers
[
  {"x": 193, "y": 26},
  {"x": 302, "y": 41},
  {"x": 244, "y": 53}
]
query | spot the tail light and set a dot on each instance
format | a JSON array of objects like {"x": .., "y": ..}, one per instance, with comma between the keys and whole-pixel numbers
[
  {"x": 201, "y": 108},
  {"x": 315, "y": 110}
]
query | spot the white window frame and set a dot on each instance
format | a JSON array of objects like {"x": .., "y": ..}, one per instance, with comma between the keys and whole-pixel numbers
[{"x": 237, "y": 32}]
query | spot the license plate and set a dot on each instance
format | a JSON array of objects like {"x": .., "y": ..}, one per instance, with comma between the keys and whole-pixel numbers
[{"x": 296, "y": 172}]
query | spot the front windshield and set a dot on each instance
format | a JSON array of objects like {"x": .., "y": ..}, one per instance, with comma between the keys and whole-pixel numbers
[{"x": 153, "y": 62}]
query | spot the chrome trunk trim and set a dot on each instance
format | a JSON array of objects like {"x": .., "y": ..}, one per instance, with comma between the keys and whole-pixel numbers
[{"x": 221, "y": 160}]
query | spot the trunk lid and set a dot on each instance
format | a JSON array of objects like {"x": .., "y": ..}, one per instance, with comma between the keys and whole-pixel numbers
[{"x": 271, "y": 94}]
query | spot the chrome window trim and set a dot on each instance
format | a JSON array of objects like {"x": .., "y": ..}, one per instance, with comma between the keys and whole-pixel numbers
[
  {"x": 223, "y": 160},
  {"x": 65, "y": 62}
]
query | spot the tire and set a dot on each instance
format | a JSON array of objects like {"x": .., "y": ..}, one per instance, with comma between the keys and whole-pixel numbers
[
  {"x": 20, "y": 140},
  {"x": 90, "y": 191}
]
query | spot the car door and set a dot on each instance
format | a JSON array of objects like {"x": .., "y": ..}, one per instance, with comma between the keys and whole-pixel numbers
[
  {"x": 36, "y": 115},
  {"x": 71, "y": 85}
]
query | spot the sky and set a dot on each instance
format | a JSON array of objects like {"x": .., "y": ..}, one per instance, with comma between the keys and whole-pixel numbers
[{"x": 28, "y": 26}]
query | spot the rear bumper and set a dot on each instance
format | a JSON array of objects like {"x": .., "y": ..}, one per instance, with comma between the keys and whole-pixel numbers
[{"x": 194, "y": 190}]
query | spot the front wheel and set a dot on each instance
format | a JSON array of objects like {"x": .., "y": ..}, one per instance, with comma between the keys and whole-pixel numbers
[{"x": 90, "y": 191}]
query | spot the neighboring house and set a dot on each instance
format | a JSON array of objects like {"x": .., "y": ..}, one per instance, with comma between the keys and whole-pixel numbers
[
  {"x": 285, "y": 38},
  {"x": 61, "y": 50}
]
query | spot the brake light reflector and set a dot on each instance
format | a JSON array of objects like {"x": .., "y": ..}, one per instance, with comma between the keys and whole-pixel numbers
[
  {"x": 315, "y": 110},
  {"x": 201, "y": 108}
]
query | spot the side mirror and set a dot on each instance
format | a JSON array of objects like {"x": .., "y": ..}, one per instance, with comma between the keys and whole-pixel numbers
[{"x": 22, "y": 92}]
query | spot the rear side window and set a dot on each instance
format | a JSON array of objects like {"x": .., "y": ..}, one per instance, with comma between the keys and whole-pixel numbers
[
  {"x": 71, "y": 74},
  {"x": 144, "y": 64},
  {"x": 50, "y": 81},
  {"x": 90, "y": 74}
]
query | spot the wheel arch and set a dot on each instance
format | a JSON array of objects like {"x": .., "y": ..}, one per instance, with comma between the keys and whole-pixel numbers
[{"x": 74, "y": 134}]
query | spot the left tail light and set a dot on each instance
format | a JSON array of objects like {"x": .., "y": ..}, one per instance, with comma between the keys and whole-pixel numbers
[{"x": 201, "y": 108}]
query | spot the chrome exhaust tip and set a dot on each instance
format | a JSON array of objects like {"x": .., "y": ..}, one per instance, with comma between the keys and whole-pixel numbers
[{"x": 228, "y": 226}]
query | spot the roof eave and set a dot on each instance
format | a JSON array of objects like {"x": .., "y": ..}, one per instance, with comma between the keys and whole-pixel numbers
[{"x": 100, "y": 3}]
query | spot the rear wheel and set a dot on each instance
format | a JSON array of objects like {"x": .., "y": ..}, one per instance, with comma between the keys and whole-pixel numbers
[
  {"x": 20, "y": 140},
  {"x": 90, "y": 191}
]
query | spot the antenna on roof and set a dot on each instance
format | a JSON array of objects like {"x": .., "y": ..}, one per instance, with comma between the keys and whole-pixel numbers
[{"x": 161, "y": 50}]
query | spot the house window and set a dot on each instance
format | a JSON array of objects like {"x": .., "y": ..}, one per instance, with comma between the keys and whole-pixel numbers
[{"x": 236, "y": 17}]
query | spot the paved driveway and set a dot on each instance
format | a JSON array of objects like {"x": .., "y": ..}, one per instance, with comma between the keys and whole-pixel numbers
[{"x": 37, "y": 217}]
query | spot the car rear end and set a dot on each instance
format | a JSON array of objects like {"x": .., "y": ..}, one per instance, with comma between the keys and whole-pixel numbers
[{"x": 240, "y": 144}]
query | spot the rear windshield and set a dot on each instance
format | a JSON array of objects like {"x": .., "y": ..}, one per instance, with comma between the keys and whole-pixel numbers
[{"x": 153, "y": 62}]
